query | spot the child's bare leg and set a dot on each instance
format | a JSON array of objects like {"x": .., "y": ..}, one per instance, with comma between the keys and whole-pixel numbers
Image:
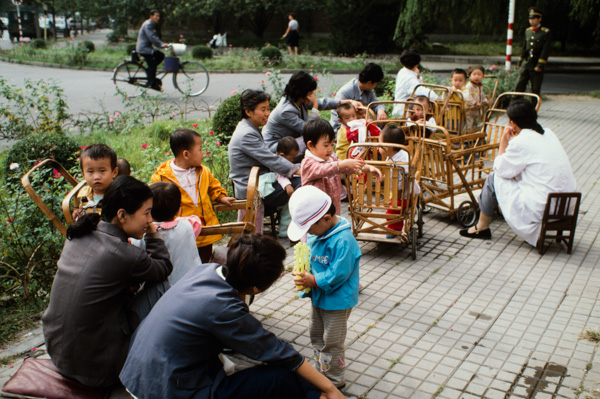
[{"x": 290, "y": 50}]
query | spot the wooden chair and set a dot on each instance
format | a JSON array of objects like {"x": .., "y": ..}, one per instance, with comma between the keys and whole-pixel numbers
[
  {"x": 25, "y": 181},
  {"x": 560, "y": 217}
]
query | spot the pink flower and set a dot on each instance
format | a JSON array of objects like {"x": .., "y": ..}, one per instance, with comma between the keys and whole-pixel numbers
[
  {"x": 262, "y": 81},
  {"x": 333, "y": 94},
  {"x": 268, "y": 73},
  {"x": 207, "y": 153},
  {"x": 144, "y": 146},
  {"x": 320, "y": 90},
  {"x": 117, "y": 114},
  {"x": 9, "y": 220},
  {"x": 83, "y": 147},
  {"x": 56, "y": 174},
  {"x": 316, "y": 77},
  {"x": 211, "y": 132},
  {"x": 195, "y": 125},
  {"x": 218, "y": 143},
  {"x": 268, "y": 44},
  {"x": 167, "y": 152},
  {"x": 234, "y": 92},
  {"x": 173, "y": 113},
  {"x": 33, "y": 349},
  {"x": 180, "y": 35},
  {"x": 127, "y": 96},
  {"x": 492, "y": 67},
  {"x": 110, "y": 120},
  {"x": 231, "y": 45}
]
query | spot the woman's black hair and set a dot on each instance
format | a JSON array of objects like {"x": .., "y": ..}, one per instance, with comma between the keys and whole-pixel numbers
[
  {"x": 125, "y": 192},
  {"x": 254, "y": 261},
  {"x": 315, "y": 129},
  {"x": 524, "y": 115},
  {"x": 167, "y": 201},
  {"x": 300, "y": 84},
  {"x": 410, "y": 58},
  {"x": 250, "y": 100}
]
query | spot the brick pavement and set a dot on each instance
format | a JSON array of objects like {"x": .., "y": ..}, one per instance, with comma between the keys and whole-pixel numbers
[{"x": 469, "y": 318}]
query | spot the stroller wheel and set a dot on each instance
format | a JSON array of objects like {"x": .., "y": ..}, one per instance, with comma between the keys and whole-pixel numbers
[{"x": 467, "y": 214}]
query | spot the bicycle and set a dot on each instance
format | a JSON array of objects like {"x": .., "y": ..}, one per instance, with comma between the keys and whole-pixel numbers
[{"x": 131, "y": 77}]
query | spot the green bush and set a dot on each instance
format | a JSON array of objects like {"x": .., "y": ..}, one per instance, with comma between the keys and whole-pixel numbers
[
  {"x": 37, "y": 147},
  {"x": 228, "y": 116},
  {"x": 385, "y": 88},
  {"x": 78, "y": 55},
  {"x": 202, "y": 52},
  {"x": 270, "y": 55},
  {"x": 38, "y": 43},
  {"x": 89, "y": 45},
  {"x": 130, "y": 47}
]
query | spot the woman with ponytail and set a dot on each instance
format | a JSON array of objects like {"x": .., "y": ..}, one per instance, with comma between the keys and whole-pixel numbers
[
  {"x": 175, "y": 351},
  {"x": 530, "y": 163},
  {"x": 95, "y": 302}
]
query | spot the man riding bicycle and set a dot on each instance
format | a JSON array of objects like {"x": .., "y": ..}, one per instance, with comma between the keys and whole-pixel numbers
[{"x": 146, "y": 38}]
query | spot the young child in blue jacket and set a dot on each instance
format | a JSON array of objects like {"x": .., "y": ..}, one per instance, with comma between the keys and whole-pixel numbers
[{"x": 333, "y": 279}]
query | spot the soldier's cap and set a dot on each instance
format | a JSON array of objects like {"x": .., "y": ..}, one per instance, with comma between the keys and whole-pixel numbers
[{"x": 535, "y": 12}]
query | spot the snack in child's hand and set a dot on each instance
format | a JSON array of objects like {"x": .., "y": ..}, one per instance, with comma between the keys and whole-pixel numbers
[{"x": 301, "y": 265}]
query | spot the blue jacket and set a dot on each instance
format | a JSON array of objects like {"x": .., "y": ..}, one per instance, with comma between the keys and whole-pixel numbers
[
  {"x": 174, "y": 354},
  {"x": 334, "y": 260}
]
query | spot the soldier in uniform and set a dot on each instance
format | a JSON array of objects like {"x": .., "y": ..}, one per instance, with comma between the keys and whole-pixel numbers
[{"x": 535, "y": 53}]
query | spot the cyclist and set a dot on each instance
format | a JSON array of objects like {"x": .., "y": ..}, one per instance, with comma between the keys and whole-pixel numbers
[{"x": 146, "y": 38}]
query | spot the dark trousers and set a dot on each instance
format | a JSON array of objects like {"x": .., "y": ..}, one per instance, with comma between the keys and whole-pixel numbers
[
  {"x": 266, "y": 382},
  {"x": 280, "y": 197},
  {"x": 153, "y": 61},
  {"x": 527, "y": 75}
]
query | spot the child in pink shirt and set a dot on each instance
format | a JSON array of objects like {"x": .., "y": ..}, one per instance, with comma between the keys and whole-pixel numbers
[{"x": 321, "y": 168}]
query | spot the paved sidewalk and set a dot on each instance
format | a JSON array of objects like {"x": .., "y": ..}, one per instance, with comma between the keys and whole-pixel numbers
[{"x": 469, "y": 318}]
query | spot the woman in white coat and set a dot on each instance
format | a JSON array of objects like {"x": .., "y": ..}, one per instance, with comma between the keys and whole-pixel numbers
[{"x": 530, "y": 163}]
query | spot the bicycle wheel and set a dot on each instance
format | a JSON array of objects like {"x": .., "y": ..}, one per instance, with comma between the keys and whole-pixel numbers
[
  {"x": 191, "y": 79},
  {"x": 131, "y": 79}
]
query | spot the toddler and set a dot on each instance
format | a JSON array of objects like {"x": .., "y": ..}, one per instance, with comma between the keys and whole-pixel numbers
[
  {"x": 333, "y": 279},
  {"x": 394, "y": 135},
  {"x": 321, "y": 168},
  {"x": 421, "y": 114},
  {"x": 287, "y": 148},
  {"x": 197, "y": 185},
  {"x": 352, "y": 124},
  {"x": 408, "y": 78},
  {"x": 458, "y": 80},
  {"x": 98, "y": 164},
  {"x": 180, "y": 233},
  {"x": 476, "y": 100}
]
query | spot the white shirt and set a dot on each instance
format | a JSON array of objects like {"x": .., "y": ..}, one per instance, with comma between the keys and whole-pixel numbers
[
  {"x": 293, "y": 24},
  {"x": 406, "y": 81},
  {"x": 402, "y": 156},
  {"x": 532, "y": 166},
  {"x": 188, "y": 180}
]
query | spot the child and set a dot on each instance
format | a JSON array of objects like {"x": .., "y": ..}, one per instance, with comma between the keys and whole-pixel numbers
[
  {"x": 333, "y": 279},
  {"x": 321, "y": 168},
  {"x": 394, "y": 135},
  {"x": 287, "y": 148},
  {"x": 124, "y": 167},
  {"x": 197, "y": 184},
  {"x": 346, "y": 135},
  {"x": 458, "y": 80},
  {"x": 180, "y": 236},
  {"x": 92, "y": 312},
  {"x": 476, "y": 99},
  {"x": 98, "y": 164},
  {"x": 421, "y": 114}
]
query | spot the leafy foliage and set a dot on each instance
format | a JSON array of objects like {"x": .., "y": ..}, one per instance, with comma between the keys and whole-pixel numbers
[
  {"x": 91, "y": 47},
  {"x": 227, "y": 117},
  {"x": 38, "y": 43},
  {"x": 270, "y": 55},
  {"x": 38, "y": 108},
  {"x": 202, "y": 52}
]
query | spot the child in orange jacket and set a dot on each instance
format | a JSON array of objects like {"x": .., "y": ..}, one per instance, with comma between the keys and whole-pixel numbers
[{"x": 199, "y": 188}]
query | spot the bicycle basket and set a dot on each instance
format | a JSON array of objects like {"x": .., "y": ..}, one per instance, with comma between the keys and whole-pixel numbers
[{"x": 171, "y": 64}]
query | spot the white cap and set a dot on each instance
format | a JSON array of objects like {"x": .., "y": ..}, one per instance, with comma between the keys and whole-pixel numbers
[{"x": 307, "y": 206}]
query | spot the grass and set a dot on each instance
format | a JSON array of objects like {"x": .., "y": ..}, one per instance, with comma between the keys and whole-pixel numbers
[
  {"x": 18, "y": 317},
  {"x": 233, "y": 59},
  {"x": 595, "y": 94},
  {"x": 591, "y": 334}
]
